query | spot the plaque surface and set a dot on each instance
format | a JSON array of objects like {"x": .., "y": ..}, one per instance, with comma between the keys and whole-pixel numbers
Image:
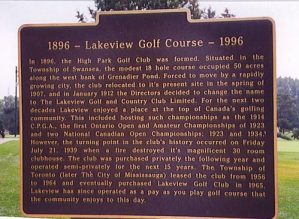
[{"x": 149, "y": 114}]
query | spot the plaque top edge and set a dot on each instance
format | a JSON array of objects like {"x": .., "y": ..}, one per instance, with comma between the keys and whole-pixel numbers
[{"x": 148, "y": 12}]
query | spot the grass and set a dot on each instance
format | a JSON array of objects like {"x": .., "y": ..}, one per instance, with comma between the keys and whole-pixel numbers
[
  {"x": 288, "y": 179},
  {"x": 9, "y": 179}
]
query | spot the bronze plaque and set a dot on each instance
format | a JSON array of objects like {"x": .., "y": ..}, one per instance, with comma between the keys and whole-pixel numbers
[{"x": 149, "y": 114}]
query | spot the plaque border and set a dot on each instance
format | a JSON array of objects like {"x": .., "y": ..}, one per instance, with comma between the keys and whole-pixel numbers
[{"x": 190, "y": 20}]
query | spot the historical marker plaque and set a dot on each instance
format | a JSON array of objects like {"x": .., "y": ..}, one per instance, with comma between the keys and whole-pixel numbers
[{"x": 149, "y": 114}]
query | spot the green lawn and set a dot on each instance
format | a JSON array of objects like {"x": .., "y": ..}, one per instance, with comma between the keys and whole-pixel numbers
[
  {"x": 9, "y": 179},
  {"x": 288, "y": 179}
]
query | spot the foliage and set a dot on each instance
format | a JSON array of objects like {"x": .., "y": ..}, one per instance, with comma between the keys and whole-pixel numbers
[
  {"x": 1, "y": 115},
  {"x": 125, "y": 5},
  {"x": 287, "y": 113},
  {"x": 7, "y": 114},
  {"x": 287, "y": 104},
  {"x": 227, "y": 14},
  {"x": 1, "y": 125},
  {"x": 283, "y": 136},
  {"x": 296, "y": 133}
]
